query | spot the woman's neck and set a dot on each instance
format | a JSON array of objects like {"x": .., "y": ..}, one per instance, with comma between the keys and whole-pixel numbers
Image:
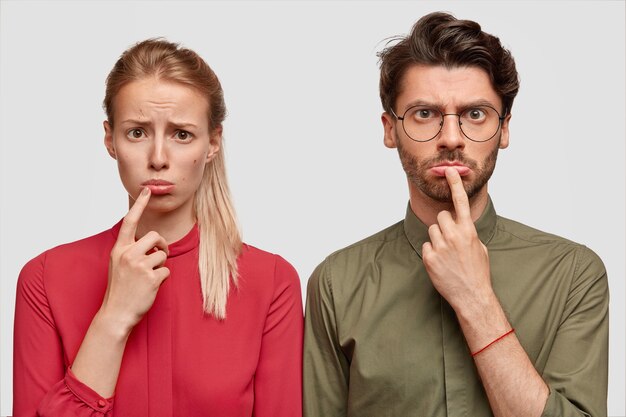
[{"x": 172, "y": 225}]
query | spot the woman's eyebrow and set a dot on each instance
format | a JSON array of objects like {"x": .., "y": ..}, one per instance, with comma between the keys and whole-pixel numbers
[
  {"x": 137, "y": 122},
  {"x": 183, "y": 125},
  {"x": 178, "y": 125}
]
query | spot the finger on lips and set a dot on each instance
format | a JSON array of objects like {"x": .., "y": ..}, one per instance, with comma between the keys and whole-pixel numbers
[
  {"x": 131, "y": 220},
  {"x": 151, "y": 241},
  {"x": 459, "y": 196}
]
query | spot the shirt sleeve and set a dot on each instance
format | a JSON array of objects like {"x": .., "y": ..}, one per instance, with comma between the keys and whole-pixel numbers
[
  {"x": 326, "y": 368},
  {"x": 577, "y": 369},
  {"x": 278, "y": 377},
  {"x": 42, "y": 386}
]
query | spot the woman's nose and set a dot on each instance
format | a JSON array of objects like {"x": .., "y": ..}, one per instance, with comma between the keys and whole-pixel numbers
[{"x": 158, "y": 154}]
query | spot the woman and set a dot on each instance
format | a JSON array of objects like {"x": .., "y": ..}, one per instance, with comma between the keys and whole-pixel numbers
[{"x": 167, "y": 313}]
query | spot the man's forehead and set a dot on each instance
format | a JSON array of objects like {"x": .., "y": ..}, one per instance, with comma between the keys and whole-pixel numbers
[{"x": 442, "y": 85}]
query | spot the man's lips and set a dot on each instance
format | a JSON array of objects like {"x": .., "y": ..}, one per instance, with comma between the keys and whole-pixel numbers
[
  {"x": 440, "y": 169},
  {"x": 158, "y": 187}
]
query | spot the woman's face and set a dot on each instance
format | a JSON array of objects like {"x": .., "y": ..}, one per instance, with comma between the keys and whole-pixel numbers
[{"x": 161, "y": 140}]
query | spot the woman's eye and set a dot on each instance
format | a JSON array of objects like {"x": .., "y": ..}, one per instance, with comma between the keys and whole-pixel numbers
[
  {"x": 135, "y": 134},
  {"x": 183, "y": 135}
]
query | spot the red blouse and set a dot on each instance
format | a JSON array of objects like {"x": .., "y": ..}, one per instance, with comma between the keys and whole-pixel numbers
[{"x": 178, "y": 361}]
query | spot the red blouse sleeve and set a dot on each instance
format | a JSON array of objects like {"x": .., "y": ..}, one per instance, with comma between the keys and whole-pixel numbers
[
  {"x": 278, "y": 378},
  {"x": 41, "y": 384}
]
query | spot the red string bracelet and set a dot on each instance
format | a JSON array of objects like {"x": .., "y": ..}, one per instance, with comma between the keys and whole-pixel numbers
[{"x": 495, "y": 341}]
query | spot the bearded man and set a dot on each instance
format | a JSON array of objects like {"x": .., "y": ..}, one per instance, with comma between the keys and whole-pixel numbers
[{"x": 454, "y": 311}]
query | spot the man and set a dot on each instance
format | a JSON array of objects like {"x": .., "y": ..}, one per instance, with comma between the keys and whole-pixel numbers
[{"x": 454, "y": 311}]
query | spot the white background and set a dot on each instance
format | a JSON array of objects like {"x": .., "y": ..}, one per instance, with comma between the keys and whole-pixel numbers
[{"x": 307, "y": 166}]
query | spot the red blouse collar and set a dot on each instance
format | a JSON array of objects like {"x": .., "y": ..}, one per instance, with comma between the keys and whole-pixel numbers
[{"x": 181, "y": 246}]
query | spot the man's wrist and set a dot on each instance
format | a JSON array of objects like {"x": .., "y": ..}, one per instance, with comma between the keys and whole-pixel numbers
[{"x": 482, "y": 321}]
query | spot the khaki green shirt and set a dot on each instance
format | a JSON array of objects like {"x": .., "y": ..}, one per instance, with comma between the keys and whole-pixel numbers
[{"x": 380, "y": 341}]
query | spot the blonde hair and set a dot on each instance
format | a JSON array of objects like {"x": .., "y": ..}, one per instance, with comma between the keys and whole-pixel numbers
[{"x": 220, "y": 238}]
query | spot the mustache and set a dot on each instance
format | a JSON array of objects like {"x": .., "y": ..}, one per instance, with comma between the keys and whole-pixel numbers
[{"x": 447, "y": 155}]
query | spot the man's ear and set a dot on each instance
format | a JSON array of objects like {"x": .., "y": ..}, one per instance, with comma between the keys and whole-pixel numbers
[
  {"x": 215, "y": 143},
  {"x": 389, "y": 126},
  {"x": 504, "y": 136},
  {"x": 108, "y": 139}
]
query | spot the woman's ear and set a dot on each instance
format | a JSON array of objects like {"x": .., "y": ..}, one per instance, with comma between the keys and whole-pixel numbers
[
  {"x": 215, "y": 143},
  {"x": 108, "y": 139}
]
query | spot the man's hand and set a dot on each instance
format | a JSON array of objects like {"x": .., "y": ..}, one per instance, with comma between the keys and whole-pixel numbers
[{"x": 455, "y": 258}]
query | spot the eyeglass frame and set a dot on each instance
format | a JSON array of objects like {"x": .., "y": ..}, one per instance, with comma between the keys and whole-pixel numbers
[{"x": 500, "y": 120}]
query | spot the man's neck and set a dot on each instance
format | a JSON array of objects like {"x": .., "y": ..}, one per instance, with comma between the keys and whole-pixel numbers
[{"x": 426, "y": 209}]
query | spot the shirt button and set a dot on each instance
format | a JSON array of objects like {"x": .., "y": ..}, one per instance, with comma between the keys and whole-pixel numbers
[{"x": 101, "y": 403}]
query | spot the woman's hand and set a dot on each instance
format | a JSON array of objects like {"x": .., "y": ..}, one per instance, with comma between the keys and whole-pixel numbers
[{"x": 136, "y": 270}]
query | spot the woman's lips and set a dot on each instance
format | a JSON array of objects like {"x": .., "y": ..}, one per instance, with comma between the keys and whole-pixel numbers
[
  {"x": 440, "y": 170},
  {"x": 159, "y": 187}
]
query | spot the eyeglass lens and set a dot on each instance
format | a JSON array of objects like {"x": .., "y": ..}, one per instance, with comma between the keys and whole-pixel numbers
[{"x": 477, "y": 123}]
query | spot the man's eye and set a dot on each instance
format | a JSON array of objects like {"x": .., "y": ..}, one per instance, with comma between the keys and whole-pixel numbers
[
  {"x": 183, "y": 135},
  {"x": 425, "y": 113},
  {"x": 475, "y": 114},
  {"x": 135, "y": 134}
]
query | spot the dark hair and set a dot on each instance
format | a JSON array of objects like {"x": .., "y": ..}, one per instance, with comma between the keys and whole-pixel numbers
[{"x": 441, "y": 39}]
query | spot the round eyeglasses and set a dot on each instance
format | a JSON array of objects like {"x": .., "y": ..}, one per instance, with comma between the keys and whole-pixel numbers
[{"x": 477, "y": 123}]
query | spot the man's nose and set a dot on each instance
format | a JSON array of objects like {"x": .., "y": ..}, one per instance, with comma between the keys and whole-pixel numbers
[
  {"x": 450, "y": 137},
  {"x": 158, "y": 154}
]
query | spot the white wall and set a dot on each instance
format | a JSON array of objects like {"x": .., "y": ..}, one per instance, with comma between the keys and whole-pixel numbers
[{"x": 305, "y": 156}]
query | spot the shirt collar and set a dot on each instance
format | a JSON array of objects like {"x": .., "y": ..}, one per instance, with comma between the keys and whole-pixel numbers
[
  {"x": 181, "y": 246},
  {"x": 417, "y": 232}
]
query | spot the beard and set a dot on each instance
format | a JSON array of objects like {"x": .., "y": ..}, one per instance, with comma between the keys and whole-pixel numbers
[{"x": 437, "y": 188}]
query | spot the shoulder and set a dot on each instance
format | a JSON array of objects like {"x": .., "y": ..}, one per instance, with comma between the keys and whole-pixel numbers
[
  {"x": 519, "y": 231},
  {"x": 586, "y": 263},
  {"x": 68, "y": 255},
  {"x": 353, "y": 260},
  {"x": 370, "y": 244},
  {"x": 259, "y": 265}
]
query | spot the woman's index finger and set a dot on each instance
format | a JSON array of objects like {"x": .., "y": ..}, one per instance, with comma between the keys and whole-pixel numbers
[{"x": 131, "y": 220}]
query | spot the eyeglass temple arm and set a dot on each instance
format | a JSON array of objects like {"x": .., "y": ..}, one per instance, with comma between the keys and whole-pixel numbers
[{"x": 396, "y": 116}]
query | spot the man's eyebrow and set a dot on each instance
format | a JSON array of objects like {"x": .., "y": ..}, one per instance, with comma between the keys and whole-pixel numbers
[
  {"x": 439, "y": 106},
  {"x": 478, "y": 103},
  {"x": 420, "y": 102}
]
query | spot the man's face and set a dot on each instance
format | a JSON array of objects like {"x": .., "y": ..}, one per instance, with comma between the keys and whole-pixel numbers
[{"x": 451, "y": 91}]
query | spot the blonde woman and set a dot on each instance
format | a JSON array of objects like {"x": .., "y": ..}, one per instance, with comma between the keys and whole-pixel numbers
[{"x": 167, "y": 313}]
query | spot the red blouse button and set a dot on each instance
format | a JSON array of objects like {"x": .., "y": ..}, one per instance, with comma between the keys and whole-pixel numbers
[{"x": 101, "y": 403}]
